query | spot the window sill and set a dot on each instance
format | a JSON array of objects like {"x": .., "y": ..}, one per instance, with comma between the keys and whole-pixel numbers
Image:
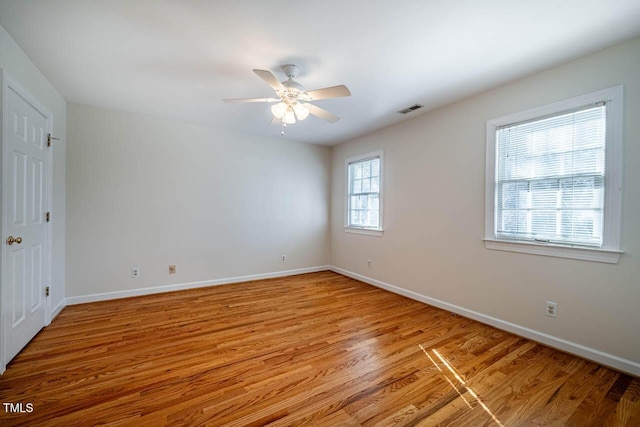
[
  {"x": 365, "y": 231},
  {"x": 545, "y": 249}
]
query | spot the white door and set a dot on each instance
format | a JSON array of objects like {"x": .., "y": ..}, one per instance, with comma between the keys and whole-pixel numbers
[{"x": 25, "y": 238}]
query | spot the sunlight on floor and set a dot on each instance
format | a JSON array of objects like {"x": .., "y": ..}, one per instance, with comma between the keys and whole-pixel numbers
[{"x": 463, "y": 384}]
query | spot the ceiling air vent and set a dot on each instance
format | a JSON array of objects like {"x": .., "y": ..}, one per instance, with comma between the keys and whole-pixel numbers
[{"x": 410, "y": 109}]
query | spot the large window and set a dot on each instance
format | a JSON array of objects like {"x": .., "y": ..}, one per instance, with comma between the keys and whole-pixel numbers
[
  {"x": 364, "y": 193},
  {"x": 556, "y": 179}
]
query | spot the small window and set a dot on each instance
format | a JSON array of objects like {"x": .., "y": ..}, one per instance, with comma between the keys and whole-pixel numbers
[
  {"x": 364, "y": 194},
  {"x": 556, "y": 178}
]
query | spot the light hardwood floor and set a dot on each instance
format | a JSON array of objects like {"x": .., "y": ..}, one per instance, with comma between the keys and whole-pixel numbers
[{"x": 314, "y": 349}]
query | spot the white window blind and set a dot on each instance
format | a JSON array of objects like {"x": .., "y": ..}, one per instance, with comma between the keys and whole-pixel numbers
[
  {"x": 364, "y": 193},
  {"x": 550, "y": 178}
]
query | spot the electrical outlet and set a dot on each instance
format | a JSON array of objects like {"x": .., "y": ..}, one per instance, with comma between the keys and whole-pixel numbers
[
  {"x": 135, "y": 272},
  {"x": 368, "y": 263},
  {"x": 283, "y": 258},
  {"x": 551, "y": 309},
  {"x": 172, "y": 269}
]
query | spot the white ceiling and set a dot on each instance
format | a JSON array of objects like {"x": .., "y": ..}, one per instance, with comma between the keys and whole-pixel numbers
[{"x": 180, "y": 58}]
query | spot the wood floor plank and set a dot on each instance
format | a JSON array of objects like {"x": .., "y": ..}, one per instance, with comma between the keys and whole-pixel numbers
[{"x": 314, "y": 349}]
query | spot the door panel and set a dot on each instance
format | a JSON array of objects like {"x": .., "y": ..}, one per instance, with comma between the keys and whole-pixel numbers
[
  {"x": 36, "y": 277},
  {"x": 18, "y": 288},
  {"x": 37, "y": 211},
  {"x": 19, "y": 177}
]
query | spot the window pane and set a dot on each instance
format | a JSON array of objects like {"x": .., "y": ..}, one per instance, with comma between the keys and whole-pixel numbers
[
  {"x": 366, "y": 169},
  {"x": 366, "y": 185},
  {"x": 582, "y": 226},
  {"x": 374, "y": 185},
  {"x": 362, "y": 202},
  {"x": 544, "y": 194},
  {"x": 512, "y": 221},
  {"x": 357, "y": 186},
  {"x": 374, "y": 202},
  {"x": 375, "y": 167},
  {"x": 543, "y": 224},
  {"x": 372, "y": 218},
  {"x": 353, "y": 202},
  {"x": 514, "y": 195},
  {"x": 583, "y": 193},
  {"x": 353, "y": 220},
  {"x": 357, "y": 171},
  {"x": 362, "y": 217},
  {"x": 589, "y": 161}
]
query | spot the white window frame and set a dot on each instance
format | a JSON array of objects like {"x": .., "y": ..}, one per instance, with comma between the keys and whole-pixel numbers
[
  {"x": 364, "y": 230},
  {"x": 610, "y": 250}
]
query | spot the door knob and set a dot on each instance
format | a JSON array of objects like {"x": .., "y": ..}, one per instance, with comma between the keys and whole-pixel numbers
[{"x": 11, "y": 240}]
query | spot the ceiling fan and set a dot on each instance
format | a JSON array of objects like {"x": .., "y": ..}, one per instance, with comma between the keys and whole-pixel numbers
[{"x": 293, "y": 100}]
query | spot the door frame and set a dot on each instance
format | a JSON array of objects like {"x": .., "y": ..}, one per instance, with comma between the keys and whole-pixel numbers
[{"x": 8, "y": 82}]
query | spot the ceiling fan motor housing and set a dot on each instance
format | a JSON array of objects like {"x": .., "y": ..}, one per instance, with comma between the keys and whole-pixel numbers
[{"x": 292, "y": 91}]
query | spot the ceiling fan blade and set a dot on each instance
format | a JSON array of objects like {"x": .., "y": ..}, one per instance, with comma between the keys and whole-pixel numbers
[
  {"x": 269, "y": 78},
  {"x": 251, "y": 100},
  {"x": 321, "y": 113},
  {"x": 328, "y": 92}
]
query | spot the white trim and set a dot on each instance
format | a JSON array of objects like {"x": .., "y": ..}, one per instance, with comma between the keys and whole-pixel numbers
[
  {"x": 545, "y": 249},
  {"x": 365, "y": 231},
  {"x": 371, "y": 155},
  {"x": 47, "y": 314},
  {"x": 58, "y": 308},
  {"x": 81, "y": 299},
  {"x": 612, "y": 222},
  {"x": 606, "y": 359}
]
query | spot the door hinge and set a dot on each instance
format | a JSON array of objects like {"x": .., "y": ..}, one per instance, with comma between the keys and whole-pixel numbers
[
  {"x": 47, "y": 217},
  {"x": 49, "y": 138},
  {"x": 46, "y": 291}
]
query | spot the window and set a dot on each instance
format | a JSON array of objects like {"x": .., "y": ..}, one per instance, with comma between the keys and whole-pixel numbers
[
  {"x": 364, "y": 194},
  {"x": 553, "y": 179}
]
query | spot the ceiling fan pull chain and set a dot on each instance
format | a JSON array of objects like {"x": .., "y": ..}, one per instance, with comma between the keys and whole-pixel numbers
[{"x": 284, "y": 125}]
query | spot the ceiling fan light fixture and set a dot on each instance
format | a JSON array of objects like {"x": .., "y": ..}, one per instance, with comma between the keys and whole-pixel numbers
[
  {"x": 301, "y": 111},
  {"x": 289, "y": 117},
  {"x": 279, "y": 110}
]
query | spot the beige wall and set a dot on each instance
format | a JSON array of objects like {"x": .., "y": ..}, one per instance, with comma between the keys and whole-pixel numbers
[
  {"x": 149, "y": 192},
  {"x": 16, "y": 63},
  {"x": 434, "y": 215}
]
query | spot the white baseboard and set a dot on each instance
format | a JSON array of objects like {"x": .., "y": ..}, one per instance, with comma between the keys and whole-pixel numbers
[
  {"x": 191, "y": 285},
  {"x": 58, "y": 309},
  {"x": 610, "y": 360}
]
